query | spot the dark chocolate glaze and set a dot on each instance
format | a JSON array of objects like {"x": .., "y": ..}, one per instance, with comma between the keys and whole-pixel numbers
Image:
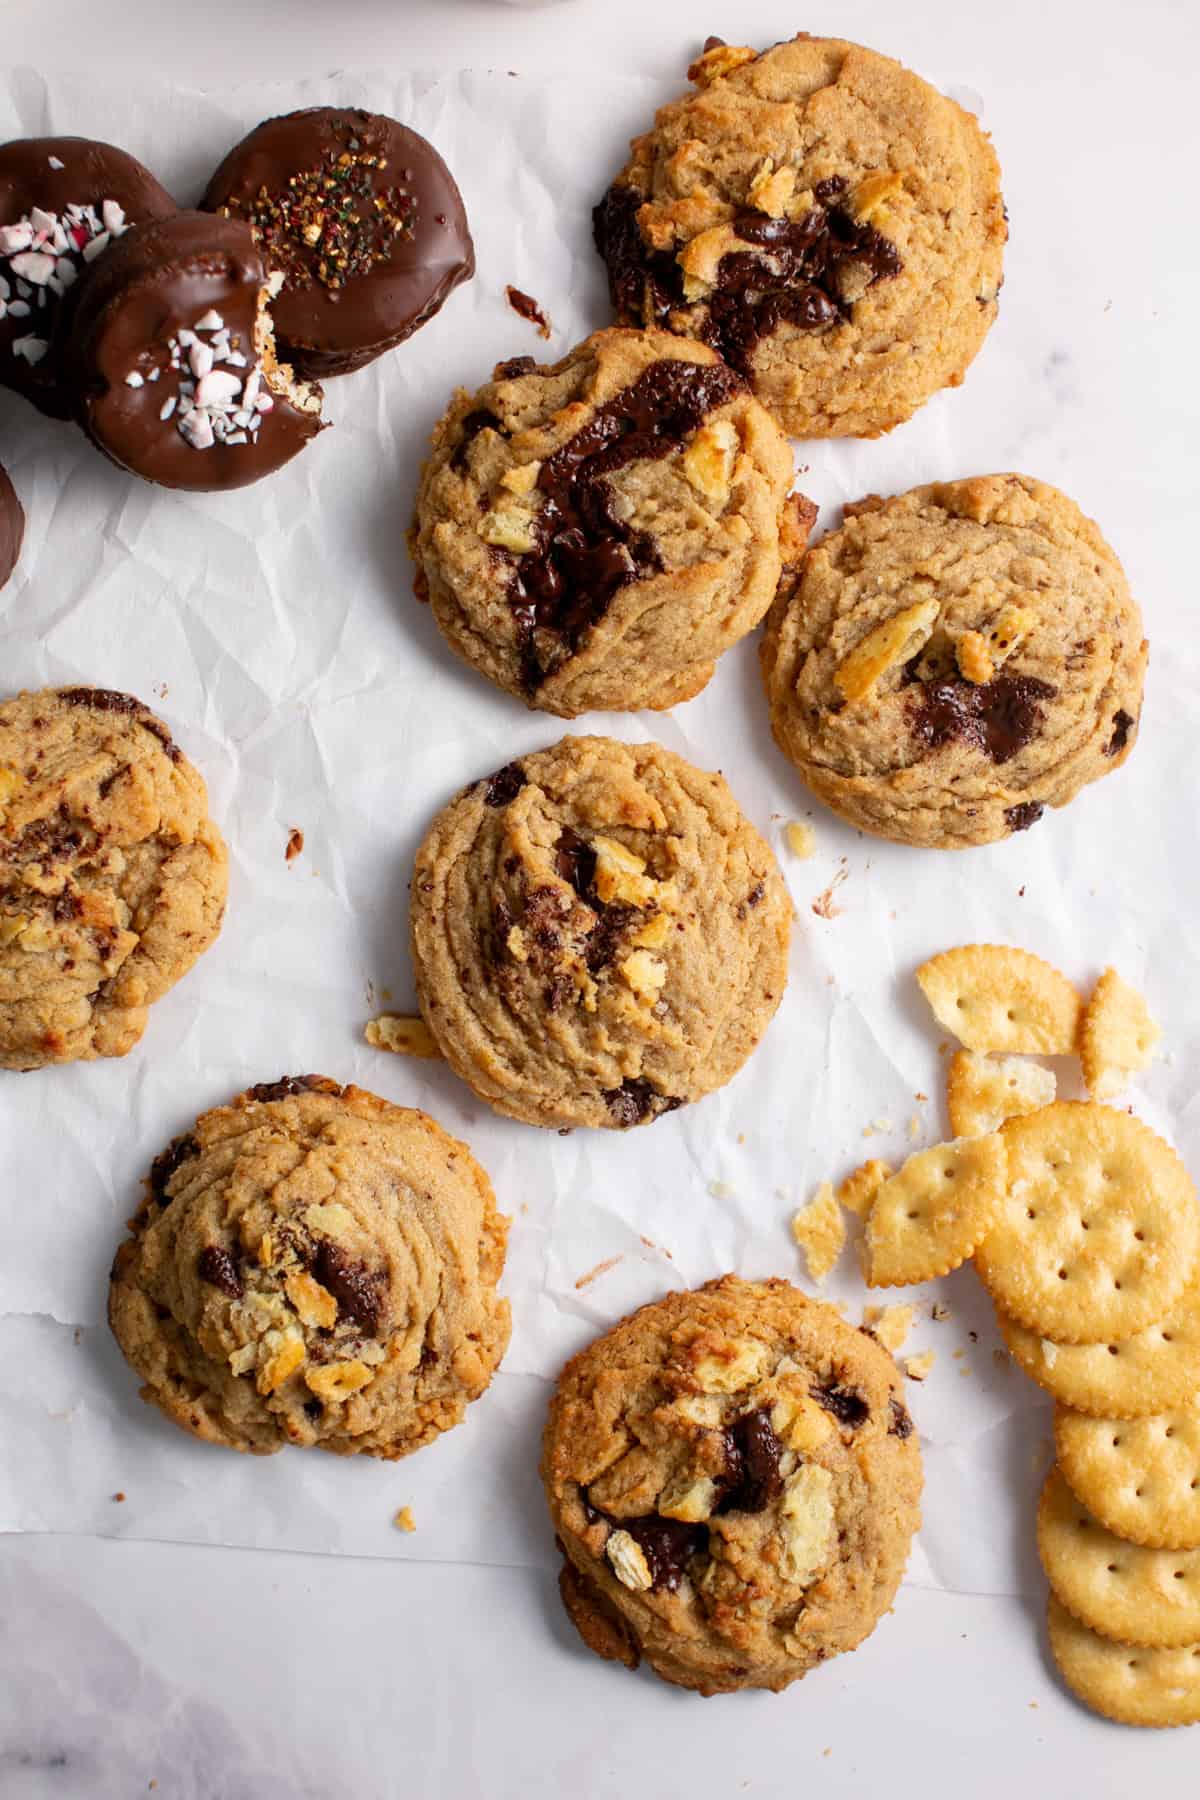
[
  {"x": 326, "y": 330},
  {"x": 584, "y": 552},
  {"x": 12, "y": 526},
  {"x": 154, "y": 282},
  {"x": 91, "y": 173},
  {"x": 998, "y": 717},
  {"x": 791, "y": 272}
]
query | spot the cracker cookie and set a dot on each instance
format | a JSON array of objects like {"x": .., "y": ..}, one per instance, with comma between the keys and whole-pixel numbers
[
  {"x": 1156, "y": 1369},
  {"x": 983, "y": 1091},
  {"x": 313, "y": 1266},
  {"x": 1096, "y": 1235},
  {"x": 1121, "y": 1590},
  {"x": 830, "y": 222},
  {"x": 955, "y": 718},
  {"x": 1141, "y": 1477},
  {"x": 995, "y": 997},
  {"x": 599, "y": 934},
  {"x": 595, "y": 533},
  {"x": 734, "y": 1481},
  {"x": 112, "y": 875},
  {"x": 1133, "y": 1686},
  {"x": 1116, "y": 1036},
  {"x": 928, "y": 1218}
]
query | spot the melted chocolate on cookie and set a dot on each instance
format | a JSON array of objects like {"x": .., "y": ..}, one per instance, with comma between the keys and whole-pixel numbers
[
  {"x": 12, "y": 527},
  {"x": 363, "y": 218},
  {"x": 637, "y": 1100},
  {"x": 63, "y": 202},
  {"x": 998, "y": 717},
  {"x": 174, "y": 372},
  {"x": 752, "y": 1454},
  {"x": 803, "y": 272},
  {"x": 584, "y": 551}
]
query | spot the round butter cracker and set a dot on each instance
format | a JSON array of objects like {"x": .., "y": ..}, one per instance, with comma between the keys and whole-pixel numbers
[
  {"x": 1141, "y": 1477},
  {"x": 1123, "y": 1591},
  {"x": 1155, "y": 1369},
  {"x": 996, "y": 997},
  {"x": 1131, "y": 1685}
]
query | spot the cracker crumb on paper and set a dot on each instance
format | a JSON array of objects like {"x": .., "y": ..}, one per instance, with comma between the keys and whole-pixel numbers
[
  {"x": 801, "y": 839},
  {"x": 402, "y": 1035},
  {"x": 404, "y": 1520},
  {"x": 917, "y": 1368},
  {"x": 820, "y": 1231},
  {"x": 601, "y": 1268}
]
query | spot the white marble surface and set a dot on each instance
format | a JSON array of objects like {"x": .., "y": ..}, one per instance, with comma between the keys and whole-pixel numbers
[{"x": 221, "y": 1674}]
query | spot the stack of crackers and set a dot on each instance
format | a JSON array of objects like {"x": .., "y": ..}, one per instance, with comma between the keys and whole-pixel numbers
[{"x": 1085, "y": 1229}]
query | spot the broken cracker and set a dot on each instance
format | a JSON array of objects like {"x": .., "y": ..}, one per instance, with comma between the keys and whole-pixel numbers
[
  {"x": 889, "y": 1325},
  {"x": 401, "y": 1033},
  {"x": 1116, "y": 1036},
  {"x": 918, "y": 1368},
  {"x": 930, "y": 1216},
  {"x": 820, "y": 1231},
  {"x": 897, "y": 640},
  {"x": 860, "y": 1187},
  {"x": 996, "y": 997},
  {"x": 982, "y": 1091},
  {"x": 801, "y": 838}
]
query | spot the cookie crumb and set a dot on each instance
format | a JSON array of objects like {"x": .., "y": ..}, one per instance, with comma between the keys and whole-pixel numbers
[
  {"x": 801, "y": 839},
  {"x": 404, "y": 1520},
  {"x": 939, "y": 1311},
  {"x": 721, "y": 1190},
  {"x": 118, "y": 1498},
  {"x": 823, "y": 906},
  {"x": 917, "y": 1368},
  {"x": 601, "y": 1268},
  {"x": 295, "y": 844},
  {"x": 401, "y": 1034},
  {"x": 890, "y": 1325},
  {"x": 526, "y": 307}
]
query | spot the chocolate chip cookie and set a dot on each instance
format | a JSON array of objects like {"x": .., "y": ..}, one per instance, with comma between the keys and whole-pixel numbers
[
  {"x": 312, "y": 1265},
  {"x": 734, "y": 1482},
  {"x": 825, "y": 219},
  {"x": 599, "y": 935},
  {"x": 953, "y": 661},
  {"x": 112, "y": 874},
  {"x": 594, "y": 533}
]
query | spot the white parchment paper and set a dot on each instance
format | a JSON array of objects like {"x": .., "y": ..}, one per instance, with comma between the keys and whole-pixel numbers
[{"x": 276, "y": 630}]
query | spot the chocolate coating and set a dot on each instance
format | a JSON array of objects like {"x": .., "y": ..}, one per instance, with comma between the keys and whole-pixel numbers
[
  {"x": 12, "y": 527},
  {"x": 91, "y": 173},
  {"x": 391, "y": 237},
  {"x": 157, "y": 281}
]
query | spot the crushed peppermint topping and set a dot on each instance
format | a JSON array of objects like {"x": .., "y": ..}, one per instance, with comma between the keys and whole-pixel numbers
[
  {"x": 215, "y": 404},
  {"x": 40, "y": 254}
]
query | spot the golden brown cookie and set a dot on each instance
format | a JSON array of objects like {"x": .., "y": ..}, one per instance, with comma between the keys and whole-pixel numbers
[
  {"x": 112, "y": 874},
  {"x": 313, "y": 1266},
  {"x": 599, "y": 934},
  {"x": 734, "y": 1481},
  {"x": 949, "y": 663},
  {"x": 596, "y": 532},
  {"x": 825, "y": 219}
]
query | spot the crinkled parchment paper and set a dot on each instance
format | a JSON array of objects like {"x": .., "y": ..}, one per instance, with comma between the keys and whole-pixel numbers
[{"x": 276, "y": 630}]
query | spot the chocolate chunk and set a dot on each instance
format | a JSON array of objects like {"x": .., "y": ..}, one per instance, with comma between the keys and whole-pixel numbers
[
  {"x": 65, "y": 908},
  {"x": 470, "y": 427},
  {"x": 313, "y": 1409},
  {"x": 363, "y": 218},
  {"x": 504, "y": 786},
  {"x": 84, "y": 192},
  {"x": 900, "y": 1419},
  {"x": 526, "y": 307},
  {"x": 584, "y": 552},
  {"x": 752, "y": 1453},
  {"x": 713, "y": 43},
  {"x": 1020, "y": 818},
  {"x": 998, "y": 717},
  {"x": 1122, "y": 726},
  {"x": 513, "y": 368},
  {"x": 357, "y": 1289},
  {"x": 637, "y": 275},
  {"x": 636, "y": 1100},
  {"x": 606, "y": 935},
  {"x": 289, "y": 1085},
  {"x": 667, "y": 1545},
  {"x": 846, "y": 1404},
  {"x": 170, "y": 359},
  {"x": 12, "y": 527},
  {"x": 179, "y": 1151},
  {"x": 575, "y": 862},
  {"x": 106, "y": 700},
  {"x": 216, "y": 1266}
]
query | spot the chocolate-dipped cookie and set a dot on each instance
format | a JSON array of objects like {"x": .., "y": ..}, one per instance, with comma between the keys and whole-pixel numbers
[
  {"x": 173, "y": 358},
  {"x": 12, "y": 527},
  {"x": 366, "y": 222},
  {"x": 63, "y": 201}
]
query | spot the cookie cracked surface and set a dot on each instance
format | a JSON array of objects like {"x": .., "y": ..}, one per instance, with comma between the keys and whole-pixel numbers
[
  {"x": 823, "y": 217},
  {"x": 599, "y": 934},
  {"x": 952, "y": 661},
  {"x": 734, "y": 1481},
  {"x": 593, "y": 534},
  {"x": 112, "y": 875},
  {"x": 314, "y": 1266}
]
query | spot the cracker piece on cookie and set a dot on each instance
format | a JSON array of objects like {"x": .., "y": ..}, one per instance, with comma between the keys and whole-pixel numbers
[
  {"x": 929, "y": 1217},
  {"x": 1116, "y": 1036},
  {"x": 1133, "y": 1686},
  {"x": 1097, "y": 1233},
  {"x": 1141, "y": 1477},
  {"x": 1121, "y": 1590},
  {"x": 996, "y": 997},
  {"x": 983, "y": 1091}
]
